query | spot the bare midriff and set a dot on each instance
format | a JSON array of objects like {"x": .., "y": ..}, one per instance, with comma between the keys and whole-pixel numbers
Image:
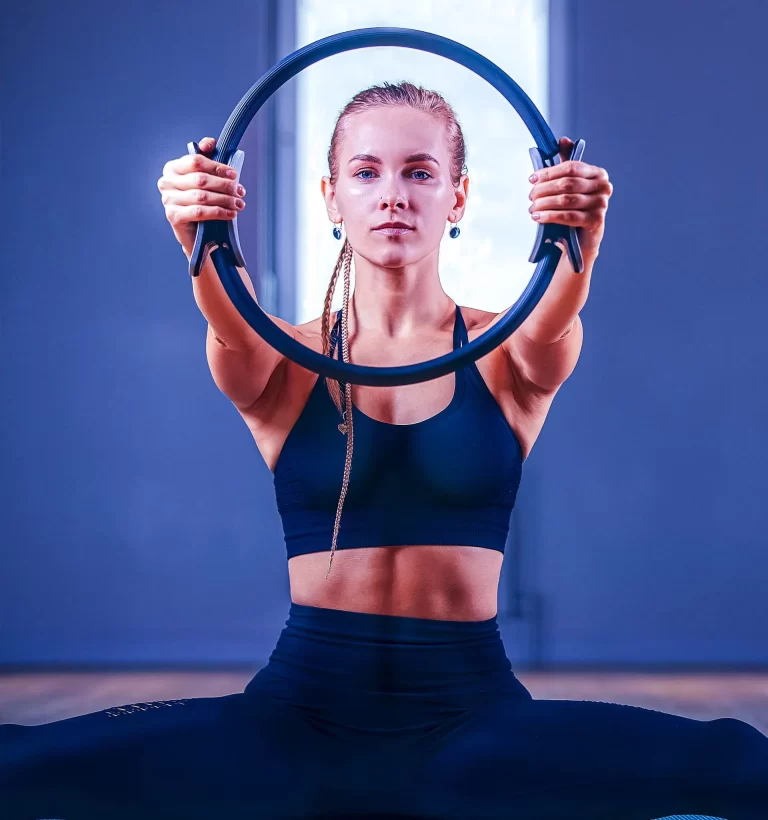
[{"x": 451, "y": 583}]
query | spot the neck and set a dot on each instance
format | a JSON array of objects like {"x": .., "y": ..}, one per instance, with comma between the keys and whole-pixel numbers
[{"x": 398, "y": 302}]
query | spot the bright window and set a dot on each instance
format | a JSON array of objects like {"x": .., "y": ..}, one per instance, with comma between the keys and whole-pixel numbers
[{"x": 487, "y": 266}]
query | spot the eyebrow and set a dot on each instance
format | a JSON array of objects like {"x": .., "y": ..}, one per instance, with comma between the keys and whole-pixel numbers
[{"x": 420, "y": 157}]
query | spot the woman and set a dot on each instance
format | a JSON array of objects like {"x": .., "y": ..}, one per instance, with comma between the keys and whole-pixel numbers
[{"x": 389, "y": 693}]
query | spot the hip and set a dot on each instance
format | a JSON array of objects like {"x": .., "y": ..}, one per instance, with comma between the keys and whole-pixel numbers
[{"x": 385, "y": 671}]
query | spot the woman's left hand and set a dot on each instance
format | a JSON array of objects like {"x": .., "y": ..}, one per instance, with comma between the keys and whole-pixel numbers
[{"x": 576, "y": 194}]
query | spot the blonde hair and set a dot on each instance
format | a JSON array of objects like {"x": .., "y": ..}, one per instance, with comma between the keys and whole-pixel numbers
[{"x": 398, "y": 94}]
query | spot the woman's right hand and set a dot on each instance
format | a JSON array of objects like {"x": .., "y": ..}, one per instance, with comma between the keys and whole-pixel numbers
[{"x": 194, "y": 189}]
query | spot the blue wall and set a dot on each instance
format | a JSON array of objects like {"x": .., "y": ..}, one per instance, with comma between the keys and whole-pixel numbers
[
  {"x": 138, "y": 522},
  {"x": 138, "y": 519},
  {"x": 643, "y": 506}
]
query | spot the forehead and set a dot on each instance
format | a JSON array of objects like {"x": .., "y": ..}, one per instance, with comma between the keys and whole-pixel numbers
[{"x": 388, "y": 131}]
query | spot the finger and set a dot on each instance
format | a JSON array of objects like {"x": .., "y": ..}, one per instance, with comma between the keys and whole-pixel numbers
[
  {"x": 200, "y": 213},
  {"x": 203, "y": 181},
  {"x": 576, "y": 219},
  {"x": 200, "y": 162},
  {"x": 570, "y": 168},
  {"x": 191, "y": 163},
  {"x": 566, "y": 146},
  {"x": 198, "y": 196},
  {"x": 199, "y": 171},
  {"x": 566, "y": 202},
  {"x": 566, "y": 185},
  {"x": 207, "y": 145}
]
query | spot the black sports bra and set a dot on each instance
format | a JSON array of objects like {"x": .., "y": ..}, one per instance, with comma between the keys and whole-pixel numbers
[{"x": 450, "y": 479}]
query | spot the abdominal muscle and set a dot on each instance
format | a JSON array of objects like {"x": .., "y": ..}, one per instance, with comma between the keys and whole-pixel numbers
[{"x": 451, "y": 583}]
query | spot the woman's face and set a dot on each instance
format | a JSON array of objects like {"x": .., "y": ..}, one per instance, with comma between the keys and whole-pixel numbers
[{"x": 394, "y": 166}]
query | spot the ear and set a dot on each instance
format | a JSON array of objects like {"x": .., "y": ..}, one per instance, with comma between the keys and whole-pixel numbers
[
  {"x": 329, "y": 195},
  {"x": 461, "y": 193}
]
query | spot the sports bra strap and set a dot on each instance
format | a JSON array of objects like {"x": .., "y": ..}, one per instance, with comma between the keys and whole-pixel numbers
[{"x": 460, "y": 337}]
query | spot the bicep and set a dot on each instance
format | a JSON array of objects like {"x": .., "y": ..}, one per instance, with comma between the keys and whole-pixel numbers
[
  {"x": 243, "y": 374},
  {"x": 546, "y": 366}
]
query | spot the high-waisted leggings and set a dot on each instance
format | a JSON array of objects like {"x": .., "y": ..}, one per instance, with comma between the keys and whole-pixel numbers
[{"x": 359, "y": 715}]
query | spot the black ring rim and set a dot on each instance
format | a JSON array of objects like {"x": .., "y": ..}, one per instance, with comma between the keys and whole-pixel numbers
[{"x": 216, "y": 230}]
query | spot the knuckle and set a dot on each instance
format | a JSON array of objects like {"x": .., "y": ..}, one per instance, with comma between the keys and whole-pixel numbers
[
  {"x": 198, "y": 161},
  {"x": 201, "y": 179},
  {"x": 197, "y": 212},
  {"x": 200, "y": 195}
]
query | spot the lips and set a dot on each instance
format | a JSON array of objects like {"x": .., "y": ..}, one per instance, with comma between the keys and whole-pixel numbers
[{"x": 393, "y": 227}]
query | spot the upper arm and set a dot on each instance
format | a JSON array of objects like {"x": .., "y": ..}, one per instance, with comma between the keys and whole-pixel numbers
[
  {"x": 243, "y": 374},
  {"x": 546, "y": 365}
]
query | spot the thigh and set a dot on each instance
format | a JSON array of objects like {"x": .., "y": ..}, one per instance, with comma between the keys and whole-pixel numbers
[
  {"x": 594, "y": 760},
  {"x": 194, "y": 757}
]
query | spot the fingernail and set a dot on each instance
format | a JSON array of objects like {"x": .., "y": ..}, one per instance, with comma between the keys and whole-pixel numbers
[
  {"x": 536, "y": 216},
  {"x": 533, "y": 178}
]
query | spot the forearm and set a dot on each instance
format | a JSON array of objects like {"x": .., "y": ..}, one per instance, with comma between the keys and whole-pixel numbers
[
  {"x": 226, "y": 323},
  {"x": 563, "y": 300}
]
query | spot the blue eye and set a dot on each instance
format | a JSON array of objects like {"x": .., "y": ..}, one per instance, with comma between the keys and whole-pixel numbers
[{"x": 370, "y": 171}]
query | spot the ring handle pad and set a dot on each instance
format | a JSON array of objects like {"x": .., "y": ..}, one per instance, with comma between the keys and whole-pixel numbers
[
  {"x": 551, "y": 232},
  {"x": 209, "y": 232}
]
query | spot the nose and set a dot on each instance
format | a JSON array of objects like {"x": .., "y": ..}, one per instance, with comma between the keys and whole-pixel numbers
[{"x": 394, "y": 200}]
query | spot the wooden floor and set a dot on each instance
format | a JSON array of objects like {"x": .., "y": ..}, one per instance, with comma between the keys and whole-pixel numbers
[{"x": 40, "y": 697}]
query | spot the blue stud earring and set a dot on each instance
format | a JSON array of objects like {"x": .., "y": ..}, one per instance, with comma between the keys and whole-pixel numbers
[
  {"x": 336, "y": 232},
  {"x": 455, "y": 231}
]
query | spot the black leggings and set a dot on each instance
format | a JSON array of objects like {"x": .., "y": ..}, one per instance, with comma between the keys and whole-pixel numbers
[{"x": 376, "y": 716}]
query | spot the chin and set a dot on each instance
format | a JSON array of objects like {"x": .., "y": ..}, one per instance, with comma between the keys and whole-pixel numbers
[
  {"x": 395, "y": 258},
  {"x": 382, "y": 256}
]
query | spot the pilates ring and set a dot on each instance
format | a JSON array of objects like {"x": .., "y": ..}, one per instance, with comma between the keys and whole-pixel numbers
[{"x": 223, "y": 234}]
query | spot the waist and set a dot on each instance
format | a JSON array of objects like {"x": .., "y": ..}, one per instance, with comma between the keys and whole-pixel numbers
[
  {"x": 446, "y": 582},
  {"x": 362, "y": 667}
]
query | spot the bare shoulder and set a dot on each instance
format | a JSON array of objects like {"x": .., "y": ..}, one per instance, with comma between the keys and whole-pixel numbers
[
  {"x": 271, "y": 418},
  {"x": 311, "y": 330},
  {"x": 504, "y": 369},
  {"x": 478, "y": 320},
  {"x": 500, "y": 370}
]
